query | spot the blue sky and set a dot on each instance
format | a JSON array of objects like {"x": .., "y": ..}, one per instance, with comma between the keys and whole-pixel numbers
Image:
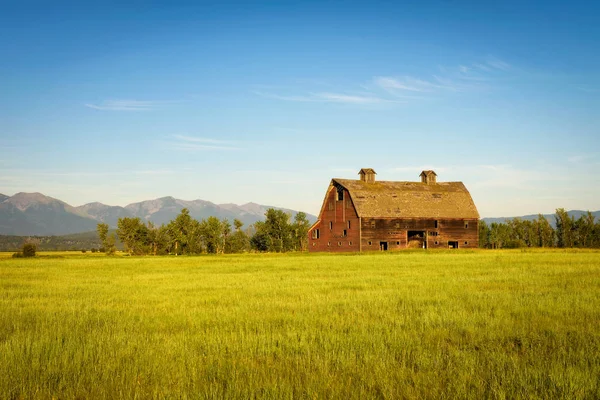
[{"x": 267, "y": 101}]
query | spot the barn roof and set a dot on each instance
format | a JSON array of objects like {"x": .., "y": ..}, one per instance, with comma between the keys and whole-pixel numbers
[{"x": 387, "y": 199}]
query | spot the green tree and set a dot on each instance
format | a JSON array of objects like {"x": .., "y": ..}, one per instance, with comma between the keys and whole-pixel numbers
[
  {"x": 239, "y": 240},
  {"x": 185, "y": 234},
  {"x": 29, "y": 250},
  {"x": 108, "y": 241},
  {"x": 565, "y": 228},
  {"x": 214, "y": 232},
  {"x": 158, "y": 238},
  {"x": 484, "y": 235},
  {"x": 299, "y": 230},
  {"x": 134, "y": 235}
]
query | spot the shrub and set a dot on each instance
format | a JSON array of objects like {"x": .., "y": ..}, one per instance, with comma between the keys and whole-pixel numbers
[
  {"x": 17, "y": 255},
  {"x": 93, "y": 250},
  {"x": 83, "y": 250},
  {"x": 29, "y": 250}
]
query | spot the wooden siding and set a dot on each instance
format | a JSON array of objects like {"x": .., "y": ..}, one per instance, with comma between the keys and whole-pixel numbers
[
  {"x": 394, "y": 232},
  {"x": 336, "y": 214}
]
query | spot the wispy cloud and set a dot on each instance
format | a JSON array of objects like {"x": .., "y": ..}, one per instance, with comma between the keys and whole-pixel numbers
[
  {"x": 330, "y": 97},
  {"x": 127, "y": 105},
  {"x": 192, "y": 143},
  {"x": 400, "y": 89}
]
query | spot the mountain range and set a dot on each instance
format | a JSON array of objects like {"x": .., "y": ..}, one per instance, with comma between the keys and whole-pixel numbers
[
  {"x": 37, "y": 214},
  {"x": 550, "y": 217}
]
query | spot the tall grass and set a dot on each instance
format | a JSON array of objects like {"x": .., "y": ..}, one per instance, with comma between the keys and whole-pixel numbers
[{"x": 478, "y": 324}]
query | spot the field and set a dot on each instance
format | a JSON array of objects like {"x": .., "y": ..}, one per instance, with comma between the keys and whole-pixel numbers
[{"x": 478, "y": 324}]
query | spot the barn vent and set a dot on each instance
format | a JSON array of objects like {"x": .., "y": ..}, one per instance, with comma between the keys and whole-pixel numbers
[
  {"x": 428, "y": 177},
  {"x": 367, "y": 174}
]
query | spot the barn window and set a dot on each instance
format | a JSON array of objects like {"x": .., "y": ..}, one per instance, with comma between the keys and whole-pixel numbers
[
  {"x": 370, "y": 243},
  {"x": 436, "y": 242},
  {"x": 397, "y": 225},
  {"x": 340, "y": 195},
  {"x": 314, "y": 244},
  {"x": 373, "y": 224},
  {"x": 398, "y": 243},
  {"x": 348, "y": 224},
  {"x": 349, "y": 243},
  {"x": 345, "y": 233},
  {"x": 466, "y": 225},
  {"x": 339, "y": 243},
  {"x": 328, "y": 243},
  {"x": 315, "y": 234},
  {"x": 435, "y": 224},
  {"x": 466, "y": 242},
  {"x": 330, "y": 225}
]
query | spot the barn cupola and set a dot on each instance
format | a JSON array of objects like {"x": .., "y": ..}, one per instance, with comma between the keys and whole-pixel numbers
[
  {"x": 428, "y": 177},
  {"x": 367, "y": 174}
]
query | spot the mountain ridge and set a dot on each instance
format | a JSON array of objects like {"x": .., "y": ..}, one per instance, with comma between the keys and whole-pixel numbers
[{"x": 38, "y": 214}]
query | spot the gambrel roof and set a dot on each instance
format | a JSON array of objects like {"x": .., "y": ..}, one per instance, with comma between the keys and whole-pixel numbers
[{"x": 388, "y": 199}]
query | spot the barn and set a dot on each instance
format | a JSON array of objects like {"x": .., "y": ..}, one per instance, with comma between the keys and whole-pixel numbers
[{"x": 366, "y": 214}]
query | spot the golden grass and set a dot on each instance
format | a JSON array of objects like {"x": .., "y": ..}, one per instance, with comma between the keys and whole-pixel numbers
[{"x": 436, "y": 324}]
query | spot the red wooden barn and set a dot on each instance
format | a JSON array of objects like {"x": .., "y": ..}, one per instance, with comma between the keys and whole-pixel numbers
[{"x": 366, "y": 214}]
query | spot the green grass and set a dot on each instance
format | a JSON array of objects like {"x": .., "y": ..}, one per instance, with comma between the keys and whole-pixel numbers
[{"x": 463, "y": 324}]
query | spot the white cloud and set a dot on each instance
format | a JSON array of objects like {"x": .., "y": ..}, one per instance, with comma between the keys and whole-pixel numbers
[
  {"x": 330, "y": 97},
  {"x": 126, "y": 105},
  {"x": 193, "y": 143}
]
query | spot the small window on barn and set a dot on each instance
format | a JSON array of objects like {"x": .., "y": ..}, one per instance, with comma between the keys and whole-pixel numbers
[
  {"x": 348, "y": 224},
  {"x": 345, "y": 233},
  {"x": 349, "y": 243},
  {"x": 435, "y": 224},
  {"x": 398, "y": 243},
  {"x": 328, "y": 243},
  {"x": 397, "y": 225},
  {"x": 466, "y": 225},
  {"x": 466, "y": 242},
  {"x": 339, "y": 243},
  {"x": 340, "y": 195},
  {"x": 373, "y": 224},
  {"x": 330, "y": 225},
  {"x": 316, "y": 234},
  {"x": 436, "y": 242},
  {"x": 370, "y": 243}
]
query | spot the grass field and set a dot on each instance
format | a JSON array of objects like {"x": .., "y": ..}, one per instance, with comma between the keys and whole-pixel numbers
[{"x": 478, "y": 324}]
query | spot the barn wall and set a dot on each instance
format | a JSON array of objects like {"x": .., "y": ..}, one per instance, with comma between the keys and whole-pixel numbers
[
  {"x": 338, "y": 213},
  {"x": 395, "y": 231}
]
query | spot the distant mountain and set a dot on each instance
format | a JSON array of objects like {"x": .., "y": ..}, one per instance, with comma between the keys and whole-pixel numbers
[
  {"x": 37, "y": 214},
  {"x": 550, "y": 217},
  {"x": 103, "y": 213}
]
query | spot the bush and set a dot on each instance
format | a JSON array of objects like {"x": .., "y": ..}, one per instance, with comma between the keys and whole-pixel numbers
[
  {"x": 83, "y": 250},
  {"x": 17, "y": 255},
  {"x": 93, "y": 250},
  {"x": 29, "y": 250}
]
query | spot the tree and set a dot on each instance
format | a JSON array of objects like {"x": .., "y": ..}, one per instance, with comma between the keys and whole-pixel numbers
[
  {"x": 29, "y": 250},
  {"x": 108, "y": 241},
  {"x": 484, "y": 235},
  {"x": 261, "y": 241},
  {"x": 214, "y": 232},
  {"x": 158, "y": 238},
  {"x": 239, "y": 241},
  {"x": 565, "y": 228},
  {"x": 299, "y": 231},
  {"x": 134, "y": 235},
  {"x": 185, "y": 234}
]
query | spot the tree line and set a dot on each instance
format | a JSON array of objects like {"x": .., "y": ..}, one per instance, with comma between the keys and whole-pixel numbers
[
  {"x": 186, "y": 235},
  {"x": 583, "y": 232}
]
